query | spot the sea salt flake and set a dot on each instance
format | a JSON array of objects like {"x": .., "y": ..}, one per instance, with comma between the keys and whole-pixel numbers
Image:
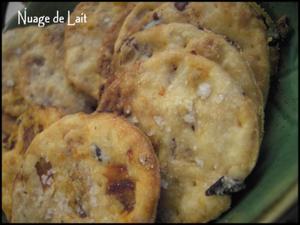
[
  {"x": 219, "y": 98},
  {"x": 49, "y": 214},
  {"x": 189, "y": 118},
  {"x": 133, "y": 119},
  {"x": 164, "y": 184},
  {"x": 44, "y": 179},
  {"x": 199, "y": 163},
  {"x": 49, "y": 181},
  {"x": 189, "y": 106},
  {"x": 10, "y": 83},
  {"x": 159, "y": 121},
  {"x": 143, "y": 159},
  {"x": 18, "y": 51},
  {"x": 204, "y": 90},
  {"x": 150, "y": 133},
  {"x": 151, "y": 24}
]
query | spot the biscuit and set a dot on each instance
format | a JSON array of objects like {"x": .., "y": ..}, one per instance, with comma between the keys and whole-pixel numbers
[
  {"x": 30, "y": 123},
  {"x": 202, "y": 127},
  {"x": 89, "y": 46},
  {"x": 238, "y": 22},
  {"x": 42, "y": 78},
  {"x": 147, "y": 43},
  {"x": 88, "y": 168},
  {"x": 14, "y": 44}
]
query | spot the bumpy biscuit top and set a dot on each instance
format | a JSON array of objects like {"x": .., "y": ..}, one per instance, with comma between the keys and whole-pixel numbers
[
  {"x": 33, "y": 121},
  {"x": 89, "y": 46},
  {"x": 242, "y": 26},
  {"x": 200, "y": 123},
  {"x": 88, "y": 168}
]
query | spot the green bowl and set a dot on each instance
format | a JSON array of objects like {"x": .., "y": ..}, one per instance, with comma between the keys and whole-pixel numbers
[{"x": 272, "y": 188}]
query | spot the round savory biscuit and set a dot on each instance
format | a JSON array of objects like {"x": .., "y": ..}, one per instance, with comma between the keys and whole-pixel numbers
[
  {"x": 14, "y": 44},
  {"x": 89, "y": 46},
  {"x": 9, "y": 132},
  {"x": 238, "y": 22},
  {"x": 88, "y": 168},
  {"x": 147, "y": 43},
  {"x": 202, "y": 126},
  {"x": 42, "y": 78},
  {"x": 30, "y": 123}
]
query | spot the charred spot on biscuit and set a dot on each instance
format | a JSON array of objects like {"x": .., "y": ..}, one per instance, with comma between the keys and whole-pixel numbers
[
  {"x": 129, "y": 154},
  {"x": 173, "y": 146},
  {"x": 232, "y": 43},
  {"x": 194, "y": 52},
  {"x": 121, "y": 186},
  {"x": 45, "y": 173},
  {"x": 200, "y": 27},
  {"x": 124, "y": 192},
  {"x": 174, "y": 67},
  {"x": 28, "y": 137},
  {"x": 105, "y": 66},
  {"x": 180, "y": 5},
  {"x": 193, "y": 127},
  {"x": 146, "y": 50},
  {"x": 224, "y": 186},
  {"x": 80, "y": 210},
  {"x": 39, "y": 61},
  {"x": 40, "y": 128},
  {"x": 155, "y": 16},
  {"x": 11, "y": 144},
  {"x": 101, "y": 90}
]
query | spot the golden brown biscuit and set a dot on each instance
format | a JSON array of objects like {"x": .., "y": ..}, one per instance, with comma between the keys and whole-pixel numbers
[
  {"x": 238, "y": 22},
  {"x": 89, "y": 46},
  {"x": 14, "y": 44},
  {"x": 202, "y": 127},
  {"x": 33, "y": 121},
  {"x": 88, "y": 168},
  {"x": 147, "y": 43},
  {"x": 42, "y": 77}
]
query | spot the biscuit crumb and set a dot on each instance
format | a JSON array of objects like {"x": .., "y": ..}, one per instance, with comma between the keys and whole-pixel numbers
[
  {"x": 204, "y": 90},
  {"x": 199, "y": 162},
  {"x": 168, "y": 129},
  {"x": 107, "y": 20},
  {"x": 150, "y": 133},
  {"x": 189, "y": 118},
  {"x": 49, "y": 214},
  {"x": 151, "y": 24},
  {"x": 10, "y": 83},
  {"x": 18, "y": 51},
  {"x": 159, "y": 121},
  {"x": 133, "y": 119},
  {"x": 47, "y": 179},
  {"x": 219, "y": 98},
  {"x": 145, "y": 161},
  {"x": 164, "y": 184}
]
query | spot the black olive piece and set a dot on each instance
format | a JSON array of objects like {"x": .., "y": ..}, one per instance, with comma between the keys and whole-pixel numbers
[
  {"x": 180, "y": 5},
  {"x": 224, "y": 186},
  {"x": 98, "y": 153}
]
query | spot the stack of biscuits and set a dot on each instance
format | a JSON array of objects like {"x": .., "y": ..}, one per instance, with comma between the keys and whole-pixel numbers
[{"x": 148, "y": 112}]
